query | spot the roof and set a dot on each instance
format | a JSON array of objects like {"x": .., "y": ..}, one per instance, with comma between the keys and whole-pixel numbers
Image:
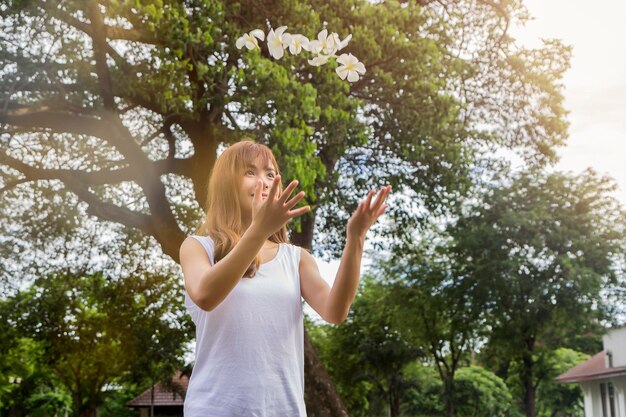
[
  {"x": 592, "y": 369},
  {"x": 164, "y": 395}
]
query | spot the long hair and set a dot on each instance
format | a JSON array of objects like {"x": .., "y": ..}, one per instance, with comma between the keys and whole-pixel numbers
[{"x": 222, "y": 221}]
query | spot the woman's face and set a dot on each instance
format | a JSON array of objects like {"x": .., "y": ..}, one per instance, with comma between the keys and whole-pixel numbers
[{"x": 259, "y": 170}]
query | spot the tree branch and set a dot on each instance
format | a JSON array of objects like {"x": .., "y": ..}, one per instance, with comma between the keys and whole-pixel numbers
[
  {"x": 98, "y": 34},
  {"x": 78, "y": 182},
  {"x": 63, "y": 122},
  {"x": 110, "y": 32}
]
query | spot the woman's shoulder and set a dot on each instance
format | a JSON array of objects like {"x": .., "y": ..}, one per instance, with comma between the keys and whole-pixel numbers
[
  {"x": 298, "y": 252},
  {"x": 201, "y": 238},
  {"x": 205, "y": 241}
]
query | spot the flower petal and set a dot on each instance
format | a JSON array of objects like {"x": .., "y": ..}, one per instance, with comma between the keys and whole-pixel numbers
[
  {"x": 318, "y": 60},
  {"x": 315, "y": 46},
  {"x": 342, "y": 72},
  {"x": 344, "y": 42},
  {"x": 240, "y": 42},
  {"x": 343, "y": 59},
  {"x": 280, "y": 31},
  {"x": 251, "y": 44},
  {"x": 258, "y": 33},
  {"x": 277, "y": 53},
  {"x": 353, "y": 76}
]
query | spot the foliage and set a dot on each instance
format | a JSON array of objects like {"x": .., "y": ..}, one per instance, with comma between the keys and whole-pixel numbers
[
  {"x": 557, "y": 399},
  {"x": 545, "y": 247},
  {"x": 125, "y": 105},
  {"x": 141, "y": 95},
  {"x": 95, "y": 331},
  {"x": 480, "y": 392},
  {"x": 366, "y": 354},
  {"x": 27, "y": 385}
]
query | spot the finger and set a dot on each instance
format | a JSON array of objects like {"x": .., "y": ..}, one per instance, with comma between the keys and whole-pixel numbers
[
  {"x": 382, "y": 195},
  {"x": 360, "y": 208},
  {"x": 368, "y": 200},
  {"x": 381, "y": 211},
  {"x": 298, "y": 212},
  {"x": 285, "y": 194},
  {"x": 274, "y": 189},
  {"x": 291, "y": 203},
  {"x": 258, "y": 192}
]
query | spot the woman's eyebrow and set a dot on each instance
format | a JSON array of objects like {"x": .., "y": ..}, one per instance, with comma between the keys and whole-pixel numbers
[{"x": 267, "y": 168}]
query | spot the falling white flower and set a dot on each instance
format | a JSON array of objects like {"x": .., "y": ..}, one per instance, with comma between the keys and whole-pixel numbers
[
  {"x": 351, "y": 67},
  {"x": 249, "y": 40},
  {"x": 324, "y": 44},
  {"x": 275, "y": 42},
  {"x": 324, "y": 48},
  {"x": 319, "y": 60},
  {"x": 341, "y": 44},
  {"x": 296, "y": 43}
]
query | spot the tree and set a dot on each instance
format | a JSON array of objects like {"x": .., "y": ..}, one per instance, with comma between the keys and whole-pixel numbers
[
  {"x": 480, "y": 392},
  {"x": 439, "y": 306},
  {"x": 127, "y": 105},
  {"x": 27, "y": 384},
  {"x": 560, "y": 400},
  {"x": 546, "y": 246},
  {"x": 366, "y": 355},
  {"x": 94, "y": 331}
]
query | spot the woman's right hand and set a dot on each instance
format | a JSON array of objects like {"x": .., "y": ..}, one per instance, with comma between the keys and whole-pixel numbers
[{"x": 269, "y": 215}]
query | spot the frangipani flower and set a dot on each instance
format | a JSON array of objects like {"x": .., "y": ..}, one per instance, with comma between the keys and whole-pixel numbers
[
  {"x": 249, "y": 39},
  {"x": 324, "y": 44},
  {"x": 351, "y": 67},
  {"x": 275, "y": 42},
  {"x": 324, "y": 48},
  {"x": 296, "y": 43},
  {"x": 319, "y": 60},
  {"x": 341, "y": 44}
]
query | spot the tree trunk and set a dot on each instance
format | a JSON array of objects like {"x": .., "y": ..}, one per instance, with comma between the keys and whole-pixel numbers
[
  {"x": 88, "y": 411},
  {"x": 529, "y": 387},
  {"x": 305, "y": 237},
  {"x": 320, "y": 394},
  {"x": 448, "y": 395},
  {"x": 394, "y": 397},
  {"x": 152, "y": 400}
]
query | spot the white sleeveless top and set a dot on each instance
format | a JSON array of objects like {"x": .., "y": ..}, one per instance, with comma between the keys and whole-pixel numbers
[{"x": 249, "y": 358}]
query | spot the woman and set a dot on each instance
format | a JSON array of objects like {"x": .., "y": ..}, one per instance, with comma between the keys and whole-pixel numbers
[{"x": 243, "y": 288}]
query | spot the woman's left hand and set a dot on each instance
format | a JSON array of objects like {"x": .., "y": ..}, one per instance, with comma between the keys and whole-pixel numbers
[{"x": 367, "y": 213}]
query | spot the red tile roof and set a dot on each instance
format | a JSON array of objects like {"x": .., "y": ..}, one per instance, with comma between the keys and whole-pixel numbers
[
  {"x": 163, "y": 396},
  {"x": 592, "y": 369}
]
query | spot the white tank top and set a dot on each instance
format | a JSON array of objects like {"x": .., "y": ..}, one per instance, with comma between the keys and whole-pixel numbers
[{"x": 249, "y": 359}]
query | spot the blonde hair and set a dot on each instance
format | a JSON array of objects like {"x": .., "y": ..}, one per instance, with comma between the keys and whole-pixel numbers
[{"x": 222, "y": 221}]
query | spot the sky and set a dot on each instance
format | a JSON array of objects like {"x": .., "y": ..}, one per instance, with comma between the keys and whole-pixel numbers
[
  {"x": 595, "y": 84},
  {"x": 595, "y": 88}
]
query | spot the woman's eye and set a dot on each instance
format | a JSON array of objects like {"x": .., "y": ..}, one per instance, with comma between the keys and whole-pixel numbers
[
  {"x": 249, "y": 173},
  {"x": 270, "y": 175}
]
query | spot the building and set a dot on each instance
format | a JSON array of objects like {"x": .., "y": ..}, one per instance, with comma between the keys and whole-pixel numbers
[
  {"x": 603, "y": 377},
  {"x": 167, "y": 399}
]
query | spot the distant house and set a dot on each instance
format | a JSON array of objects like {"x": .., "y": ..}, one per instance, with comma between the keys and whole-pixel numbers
[
  {"x": 167, "y": 399},
  {"x": 603, "y": 377}
]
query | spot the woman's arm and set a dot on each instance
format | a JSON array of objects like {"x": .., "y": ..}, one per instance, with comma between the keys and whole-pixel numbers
[
  {"x": 209, "y": 285},
  {"x": 333, "y": 304}
]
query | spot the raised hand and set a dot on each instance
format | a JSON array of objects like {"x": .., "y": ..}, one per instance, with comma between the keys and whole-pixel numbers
[
  {"x": 367, "y": 213},
  {"x": 271, "y": 214}
]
